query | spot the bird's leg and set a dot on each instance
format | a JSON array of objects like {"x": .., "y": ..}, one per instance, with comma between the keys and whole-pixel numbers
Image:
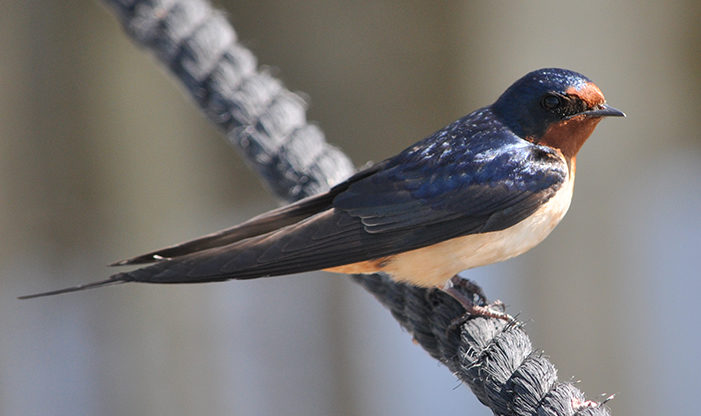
[{"x": 472, "y": 298}]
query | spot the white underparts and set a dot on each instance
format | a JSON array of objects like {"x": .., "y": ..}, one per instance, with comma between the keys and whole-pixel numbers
[{"x": 434, "y": 265}]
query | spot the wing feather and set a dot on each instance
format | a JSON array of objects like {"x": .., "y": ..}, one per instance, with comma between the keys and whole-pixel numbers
[
  {"x": 385, "y": 210},
  {"x": 259, "y": 225}
]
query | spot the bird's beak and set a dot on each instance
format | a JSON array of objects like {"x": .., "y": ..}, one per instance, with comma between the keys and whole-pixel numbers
[{"x": 604, "y": 110}]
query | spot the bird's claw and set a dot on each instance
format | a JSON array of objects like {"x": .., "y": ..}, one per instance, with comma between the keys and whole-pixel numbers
[{"x": 473, "y": 299}]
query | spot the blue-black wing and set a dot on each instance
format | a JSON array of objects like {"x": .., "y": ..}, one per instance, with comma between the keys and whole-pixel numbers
[
  {"x": 476, "y": 187},
  {"x": 467, "y": 178}
]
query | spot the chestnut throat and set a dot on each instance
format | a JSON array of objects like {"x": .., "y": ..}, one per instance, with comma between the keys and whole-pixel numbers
[{"x": 569, "y": 135}]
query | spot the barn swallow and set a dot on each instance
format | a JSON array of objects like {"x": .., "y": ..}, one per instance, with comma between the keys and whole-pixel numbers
[{"x": 483, "y": 189}]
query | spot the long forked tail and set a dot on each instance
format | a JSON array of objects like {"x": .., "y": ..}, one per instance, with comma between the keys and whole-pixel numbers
[
  {"x": 114, "y": 280},
  {"x": 261, "y": 224}
]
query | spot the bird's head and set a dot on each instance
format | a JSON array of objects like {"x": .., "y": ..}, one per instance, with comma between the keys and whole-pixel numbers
[{"x": 554, "y": 107}]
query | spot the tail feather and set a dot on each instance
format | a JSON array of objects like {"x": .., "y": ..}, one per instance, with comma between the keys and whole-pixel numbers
[
  {"x": 303, "y": 236},
  {"x": 113, "y": 280}
]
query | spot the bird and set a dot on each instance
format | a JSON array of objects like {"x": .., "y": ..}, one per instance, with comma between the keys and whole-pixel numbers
[{"x": 483, "y": 189}]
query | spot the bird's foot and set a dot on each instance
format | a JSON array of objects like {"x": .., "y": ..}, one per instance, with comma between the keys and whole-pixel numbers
[{"x": 472, "y": 298}]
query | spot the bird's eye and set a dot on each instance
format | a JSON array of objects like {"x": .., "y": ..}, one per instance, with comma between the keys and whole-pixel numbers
[{"x": 551, "y": 101}]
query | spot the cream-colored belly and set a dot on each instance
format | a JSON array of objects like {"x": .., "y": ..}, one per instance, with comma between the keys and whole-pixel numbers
[{"x": 434, "y": 265}]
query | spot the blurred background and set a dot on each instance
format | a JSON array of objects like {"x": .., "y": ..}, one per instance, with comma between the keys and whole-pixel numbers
[{"x": 102, "y": 156}]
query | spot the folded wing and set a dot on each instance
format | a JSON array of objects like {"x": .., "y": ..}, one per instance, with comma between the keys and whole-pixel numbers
[{"x": 401, "y": 207}]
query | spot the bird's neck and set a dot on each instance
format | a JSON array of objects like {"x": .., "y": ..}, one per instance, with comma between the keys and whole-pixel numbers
[{"x": 568, "y": 135}]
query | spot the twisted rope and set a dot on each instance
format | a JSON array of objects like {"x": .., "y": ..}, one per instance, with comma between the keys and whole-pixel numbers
[{"x": 268, "y": 124}]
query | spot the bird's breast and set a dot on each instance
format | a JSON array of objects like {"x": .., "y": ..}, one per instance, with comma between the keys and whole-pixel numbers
[{"x": 434, "y": 265}]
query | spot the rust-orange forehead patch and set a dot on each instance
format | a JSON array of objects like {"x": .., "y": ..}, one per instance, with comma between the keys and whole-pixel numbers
[{"x": 589, "y": 93}]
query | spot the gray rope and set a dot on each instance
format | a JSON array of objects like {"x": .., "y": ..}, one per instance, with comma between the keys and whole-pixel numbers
[{"x": 268, "y": 124}]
